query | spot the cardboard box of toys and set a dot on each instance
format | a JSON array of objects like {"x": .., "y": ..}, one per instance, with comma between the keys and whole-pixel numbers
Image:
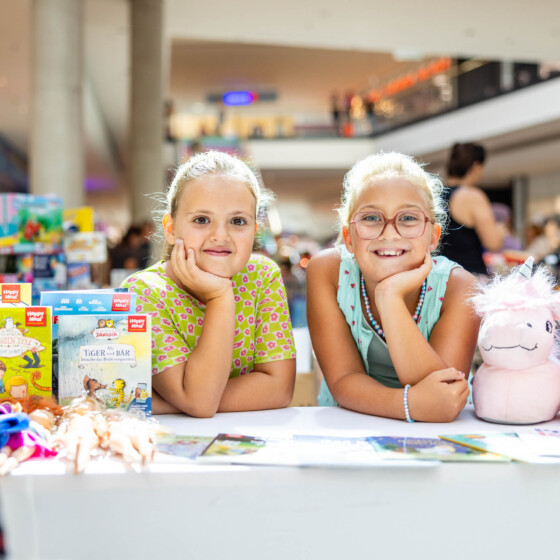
[
  {"x": 25, "y": 352},
  {"x": 107, "y": 356}
]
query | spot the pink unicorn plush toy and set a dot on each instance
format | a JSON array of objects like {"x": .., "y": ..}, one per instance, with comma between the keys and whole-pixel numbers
[{"x": 519, "y": 381}]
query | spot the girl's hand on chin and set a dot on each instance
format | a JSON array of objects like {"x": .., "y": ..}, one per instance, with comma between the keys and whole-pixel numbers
[
  {"x": 203, "y": 285},
  {"x": 406, "y": 282}
]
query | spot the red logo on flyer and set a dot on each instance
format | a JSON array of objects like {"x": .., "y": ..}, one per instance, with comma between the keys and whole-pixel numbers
[
  {"x": 121, "y": 302},
  {"x": 35, "y": 317},
  {"x": 11, "y": 293},
  {"x": 137, "y": 323}
]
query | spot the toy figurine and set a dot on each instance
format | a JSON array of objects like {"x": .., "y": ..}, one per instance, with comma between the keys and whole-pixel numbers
[{"x": 519, "y": 381}]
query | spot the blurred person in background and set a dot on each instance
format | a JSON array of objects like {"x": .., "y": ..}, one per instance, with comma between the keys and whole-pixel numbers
[
  {"x": 548, "y": 242},
  {"x": 472, "y": 226}
]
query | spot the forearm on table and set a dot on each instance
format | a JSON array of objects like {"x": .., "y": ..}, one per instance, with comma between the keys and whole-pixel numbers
[
  {"x": 361, "y": 393},
  {"x": 257, "y": 390}
]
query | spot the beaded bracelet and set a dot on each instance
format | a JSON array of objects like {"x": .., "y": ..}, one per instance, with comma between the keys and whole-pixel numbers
[{"x": 405, "y": 400}]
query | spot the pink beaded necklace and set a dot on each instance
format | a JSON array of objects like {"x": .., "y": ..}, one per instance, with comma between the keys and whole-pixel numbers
[{"x": 376, "y": 327}]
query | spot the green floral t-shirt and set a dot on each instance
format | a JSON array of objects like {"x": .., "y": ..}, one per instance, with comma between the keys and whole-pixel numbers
[{"x": 263, "y": 331}]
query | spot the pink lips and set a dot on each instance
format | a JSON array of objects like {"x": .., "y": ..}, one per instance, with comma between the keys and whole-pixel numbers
[{"x": 217, "y": 252}]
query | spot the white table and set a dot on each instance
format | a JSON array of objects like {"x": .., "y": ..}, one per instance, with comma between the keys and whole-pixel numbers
[{"x": 475, "y": 510}]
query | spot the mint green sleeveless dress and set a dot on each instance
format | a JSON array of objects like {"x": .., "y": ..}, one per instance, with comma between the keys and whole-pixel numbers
[{"x": 373, "y": 349}]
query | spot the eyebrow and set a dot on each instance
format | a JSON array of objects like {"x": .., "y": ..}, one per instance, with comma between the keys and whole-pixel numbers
[
  {"x": 210, "y": 212},
  {"x": 399, "y": 208}
]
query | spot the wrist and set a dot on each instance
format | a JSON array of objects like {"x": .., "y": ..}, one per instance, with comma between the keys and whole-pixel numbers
[{"x": 406, "y": 404}]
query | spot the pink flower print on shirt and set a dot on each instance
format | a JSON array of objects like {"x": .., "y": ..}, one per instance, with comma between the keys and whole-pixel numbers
[
  {"x": 271, "y": 345},
  {"x": 238, "y": 344},
  {"x": 267, "y": 309},
  {"x": 268, "y": 291},
  {"x": 243, "y": 352},
  {"x": 284, "y": 325},
  {"x": 252, "y": 346},
  {"x": 236, "y": 332},
  {"x": 258, "y": 283},
  {"x": 248, "y": 303},
  {"x": 184, "y": 316},
  {"x": 147, "y": 291},
  {"x": 153, "y": 313},
  {"x": 142, "y": 298},
  {"x": 190, "y": 328},
  {"x": 243, "y": 371},
  {"x": 139, "y": 308},
  {"x": 189, "y": 311},
  {"x": 177, "y": 301},
  {"x": 245, "y": 278},
  {"x": 169, "y": 339},
  {"x": 200, "y": 321},
  {"x": 157, "y": 329},
  {"x": 261, "y": 353},
  {"x": 254, "y": 293},
  {"x": 168, "y": 348},
  {"x": 240, "y": 318},
  {"x": 250, "y": 358},
  {"x": 274, "y": 317},
  {"x": 160, "y": 306},
  {"x": 258, "y": 341},
  {"x": 242, "y": 289},
  {"x": 237, "y": 362},
  {"x": 279, "y": 334},
  {"x": 182, "y": 296},
  {"x": 266, "y": 267},
  {"x": 250, "y": 267},
  {"x": 154, "y": 371},
  {"x": 160, "y": 358},
  {"x": 184, "y": 349},
  {"x": 162, "y": 293},
  {"x": 286, "y": 347},
  {"x": 251, "y": 320},
  {"x": 166, "y": 321},
  {"x": 265, "y": 329},
  {"x": 168, "y": 288},
  {"x": 247, "y": 332},
  {"x": 236, "y": 298}
]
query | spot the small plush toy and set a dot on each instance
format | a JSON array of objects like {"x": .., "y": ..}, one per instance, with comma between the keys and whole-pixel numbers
[{"x": 519, "y": 381}]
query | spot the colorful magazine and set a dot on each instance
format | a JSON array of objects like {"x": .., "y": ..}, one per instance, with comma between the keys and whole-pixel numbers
[
  {"x": 433, "y": 449},
  {"x": 25, "y": 352}
]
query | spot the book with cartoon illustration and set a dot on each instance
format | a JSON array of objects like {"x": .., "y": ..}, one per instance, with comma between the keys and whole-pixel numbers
[
  {"x": 185, "y": 447},
  {"x": 108, "y": 357},
  {"x": 25, "y": 352},
  {"x": 508, "y": 444},
  {"x": 15, "y": 295},
  {"x": 433, "y": 449}
]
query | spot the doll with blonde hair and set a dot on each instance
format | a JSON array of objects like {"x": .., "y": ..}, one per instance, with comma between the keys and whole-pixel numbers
[
  {"x": 221, "y": 331},
  {"x": 388, "y": 319}
]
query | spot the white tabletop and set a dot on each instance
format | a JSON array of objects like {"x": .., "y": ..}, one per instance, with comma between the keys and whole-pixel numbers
[{"x": 474, "y": 510}]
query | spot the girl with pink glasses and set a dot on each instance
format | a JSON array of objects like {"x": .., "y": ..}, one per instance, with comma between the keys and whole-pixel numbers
[{"x": 389, "y": 320}]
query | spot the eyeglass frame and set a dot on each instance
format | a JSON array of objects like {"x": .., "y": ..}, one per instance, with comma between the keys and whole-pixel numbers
[{"x": 392, "y": 221}]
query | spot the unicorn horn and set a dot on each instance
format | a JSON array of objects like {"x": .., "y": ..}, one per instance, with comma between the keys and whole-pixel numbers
[{"x": 526, "y": 269}]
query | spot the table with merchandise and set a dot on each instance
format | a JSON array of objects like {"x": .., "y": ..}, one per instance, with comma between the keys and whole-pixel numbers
[{"x": 331, "y": 502}]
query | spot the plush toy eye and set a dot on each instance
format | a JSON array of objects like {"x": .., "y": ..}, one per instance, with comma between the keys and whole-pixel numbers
[{"x": 548, "y": 326}]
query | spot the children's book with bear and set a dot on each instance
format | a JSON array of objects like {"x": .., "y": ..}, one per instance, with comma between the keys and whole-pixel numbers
[{"x": 108, "y": 357}]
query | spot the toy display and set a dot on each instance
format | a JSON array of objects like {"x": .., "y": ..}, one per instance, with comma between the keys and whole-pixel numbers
[{"x": 519, "y": 381}]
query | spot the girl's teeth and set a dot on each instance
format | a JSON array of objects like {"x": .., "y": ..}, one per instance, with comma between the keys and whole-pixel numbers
[{"x": 389, "y": 253}]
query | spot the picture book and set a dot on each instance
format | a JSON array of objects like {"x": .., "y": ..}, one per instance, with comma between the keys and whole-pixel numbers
[
  {"x": 428, "y": 449},
  {"x": 249, "y": 450},
  {"x": 86, "y": 246},
  {"x": 15, "y": 295},
  {"x": 106, "y": 356},
  {"x": 187, "y": 447},
  {"x": 25, "y": 352},
  {"x": 507, "y": 444},
  {"x": 78, "y": 219}
]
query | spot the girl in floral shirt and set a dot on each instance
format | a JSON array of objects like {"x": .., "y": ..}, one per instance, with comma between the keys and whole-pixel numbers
[{"x": 221, "y": 333}]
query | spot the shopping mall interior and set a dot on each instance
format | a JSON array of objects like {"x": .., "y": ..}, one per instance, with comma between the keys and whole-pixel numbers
[{"x": 301, "y": 92}]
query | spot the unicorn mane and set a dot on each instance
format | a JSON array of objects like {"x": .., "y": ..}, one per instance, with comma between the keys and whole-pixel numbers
[{"x": 513, "y": 291}]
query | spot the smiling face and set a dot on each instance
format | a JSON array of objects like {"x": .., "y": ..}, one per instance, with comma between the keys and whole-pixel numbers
[
  {"x": 216, "y": 217},
  {"x": 390, "y": 253},
  {"x": 516, "y": 339}
]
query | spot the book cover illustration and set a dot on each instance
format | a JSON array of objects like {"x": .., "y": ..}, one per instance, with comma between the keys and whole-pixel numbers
[
  {"x": 25, "y": 352},
  {"x": 107, "y": 357},
  {"x": 249, "y": 450},
  {"x": 434, "y": 449},
  {"x": 507, "y": 444},
  {"x": 187, "y": 447}
]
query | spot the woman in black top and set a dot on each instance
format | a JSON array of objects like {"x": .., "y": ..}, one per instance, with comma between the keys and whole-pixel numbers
[{"x": 472, "y": 226}]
